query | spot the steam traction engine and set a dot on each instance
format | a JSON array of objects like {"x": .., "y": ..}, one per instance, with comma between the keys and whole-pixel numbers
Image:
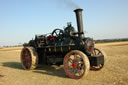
[{"x": 67, "y": 47}]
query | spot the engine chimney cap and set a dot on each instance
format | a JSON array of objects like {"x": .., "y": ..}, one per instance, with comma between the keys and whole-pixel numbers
[{"x": 78, "y": 9}]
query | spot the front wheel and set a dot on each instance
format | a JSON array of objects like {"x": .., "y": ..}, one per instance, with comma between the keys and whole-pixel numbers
[
  {"x": 76, "y": 64},
  {"x": 98, "y": 52}
]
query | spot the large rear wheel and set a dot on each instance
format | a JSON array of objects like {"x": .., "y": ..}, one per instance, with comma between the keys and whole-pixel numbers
[
  {"x": 76, "y": 64},
  {"x": 29, "y": 58}
]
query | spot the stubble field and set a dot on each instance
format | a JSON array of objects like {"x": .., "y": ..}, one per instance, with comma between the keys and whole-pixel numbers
[{"x": 115, "y": 71}]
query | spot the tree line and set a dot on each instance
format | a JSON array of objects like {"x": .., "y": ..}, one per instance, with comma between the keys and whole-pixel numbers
[{"x": 110, "y": 40}]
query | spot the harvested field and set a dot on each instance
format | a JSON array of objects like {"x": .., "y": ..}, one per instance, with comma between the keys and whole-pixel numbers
[{"x": 115, "y": 71}]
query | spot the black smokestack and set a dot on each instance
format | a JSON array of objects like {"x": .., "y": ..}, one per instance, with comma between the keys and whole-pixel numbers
[{"x": 78, "y": 13}]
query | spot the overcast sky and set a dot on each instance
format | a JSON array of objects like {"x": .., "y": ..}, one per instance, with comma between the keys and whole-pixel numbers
[{"x": 20, "y": 20}]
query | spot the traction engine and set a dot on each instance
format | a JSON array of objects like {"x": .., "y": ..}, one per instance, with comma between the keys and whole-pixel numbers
[{"x": 68, "y": 47}]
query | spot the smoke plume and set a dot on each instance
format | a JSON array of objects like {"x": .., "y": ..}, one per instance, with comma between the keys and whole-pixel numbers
[{"x": 68, "y": 4}]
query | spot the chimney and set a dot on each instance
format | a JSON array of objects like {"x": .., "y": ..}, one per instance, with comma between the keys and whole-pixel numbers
[{"x": 79, "y": 20}]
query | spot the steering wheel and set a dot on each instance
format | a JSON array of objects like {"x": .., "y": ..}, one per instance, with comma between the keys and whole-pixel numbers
[{"x": 57, "y": 33}]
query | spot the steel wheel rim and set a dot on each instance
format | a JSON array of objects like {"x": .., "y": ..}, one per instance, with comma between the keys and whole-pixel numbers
[
  {"x": 26, "y": 58},
  {"x": 74, "y": 65}
]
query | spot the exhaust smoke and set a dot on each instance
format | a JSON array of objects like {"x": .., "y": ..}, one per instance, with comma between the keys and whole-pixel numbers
[{"x": 68, "y": 3}]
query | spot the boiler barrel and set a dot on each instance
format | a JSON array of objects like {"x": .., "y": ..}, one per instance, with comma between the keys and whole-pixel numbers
[{"x": 65, "y": 47}]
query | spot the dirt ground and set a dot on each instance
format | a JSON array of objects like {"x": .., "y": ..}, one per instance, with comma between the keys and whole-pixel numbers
[{"x": 115, "y": 71}]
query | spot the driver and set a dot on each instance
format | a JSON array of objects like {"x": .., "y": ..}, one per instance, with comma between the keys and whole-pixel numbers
[{"x": 69, "y": 30}]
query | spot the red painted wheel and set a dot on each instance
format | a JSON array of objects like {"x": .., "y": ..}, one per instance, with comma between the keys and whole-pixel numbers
[
  {"x": 76, "y": 64},
  {"x": 29, "y": 58},
  {"x": 97, "y": 52}
]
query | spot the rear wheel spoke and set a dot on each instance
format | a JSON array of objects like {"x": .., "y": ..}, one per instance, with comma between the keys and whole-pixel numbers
[{"x": 70, "y": 60}]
